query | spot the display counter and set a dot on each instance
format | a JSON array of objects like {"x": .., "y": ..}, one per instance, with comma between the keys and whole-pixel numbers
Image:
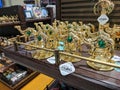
[{"x": 83, "y": 78}]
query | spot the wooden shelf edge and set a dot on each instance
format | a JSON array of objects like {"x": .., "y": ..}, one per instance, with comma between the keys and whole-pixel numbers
[
  {"x": 9, "y": 24},
  {"x": 29, "y": 1},
  {"x": 53, "y": 71},
  {"x": 11, "y": 64},
  {"x": 38, "y": 19}
]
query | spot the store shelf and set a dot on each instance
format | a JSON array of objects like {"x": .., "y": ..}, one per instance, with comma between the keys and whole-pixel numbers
[
  {"x": 6, "y": 67},
  {"x": 29, "y": 1},
  {"x": 5, "y": 64},
  {"x": 7, "y": 28},
  {"x": 18, "y": 10},
  {"x": 38, "y": 19},
  {"x": 84, "y": 77},
  {"x": 9, "y": 24}
]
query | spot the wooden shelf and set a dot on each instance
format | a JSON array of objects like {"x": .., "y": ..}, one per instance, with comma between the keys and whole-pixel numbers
[
  {"x": 38, "y": 19},
  {"x": 43, "y": 2},
  {"x": 9, "y": 24},
  {"x": 6, "y": 67},
  {"x": 29, "y": 1},
  {"x": 84, "y": 77},
  {"x": 23, "y": 22}
]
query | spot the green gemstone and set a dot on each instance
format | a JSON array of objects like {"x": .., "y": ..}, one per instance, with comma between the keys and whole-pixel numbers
[
  {"x": 47, "y": 26},
  {"x": 69, "y": 39},
  {"x": 101, "y": 43},
  {"x": 69, "y": 26},
  {"x": 50, "y": 32},
  {"x": 39, "y": 38},
  {"x": 28, "y": 33}
]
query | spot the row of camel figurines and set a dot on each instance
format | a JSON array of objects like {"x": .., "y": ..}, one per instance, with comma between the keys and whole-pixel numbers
[
  {"x": 58, "y": 32},
  {"x": 73, "y": 34}
]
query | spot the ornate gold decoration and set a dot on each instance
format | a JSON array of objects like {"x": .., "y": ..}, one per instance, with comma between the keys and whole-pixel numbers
[
  {"x": 4, "y": 41},
  {"x": 103, "y": 50},
  {"x": 9, "y": 19},
  {"x": 104, "y": 7},
  {"x": 73, "y": 35},
  {"x": 27, "y": 32},
  {"x": 41, "y": 54}
]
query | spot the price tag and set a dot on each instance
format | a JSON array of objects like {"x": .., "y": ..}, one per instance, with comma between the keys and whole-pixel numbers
[
  {"x": 51, "y": 60},
  {"x": 3, "y": 55},
  {"x": 103, "y": 19},
  {"x": 61, "y": 46},
  {"x": 66, "y": 68},
  {"x": 117, "y": 63},
  {"x": 116, "y": 58}
]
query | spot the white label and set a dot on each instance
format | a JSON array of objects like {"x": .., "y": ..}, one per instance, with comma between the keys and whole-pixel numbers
[
  {"x": 117, "y": 69},
  {"x": 66, "y": 68},
  {"x": 61, "y": 46},
  {"x": 103, "y": 19},
  {"x": 116, "y": 58},
  {"x": 51, "y": 60},
  {"x": 3, "y": 55}
]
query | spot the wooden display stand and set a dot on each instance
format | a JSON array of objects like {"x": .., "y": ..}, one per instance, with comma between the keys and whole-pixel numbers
[
  {"x": 84, "y": 77},
  {"x": 7, "y": 29}
]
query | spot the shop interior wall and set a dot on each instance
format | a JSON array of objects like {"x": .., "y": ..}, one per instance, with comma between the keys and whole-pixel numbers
[
  {"x": 82, "y": 10},
  {"x": 13, "y": 2}
]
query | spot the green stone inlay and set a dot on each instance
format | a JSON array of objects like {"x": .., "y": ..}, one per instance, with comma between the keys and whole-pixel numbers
[
  {"x": 39, "y": 38},
  {"x": 101, "y": 43},
  {"x": 28, "y": 33},
  {"x": 69, "y": 26},
  {"x": 47, "y": 26},
  {"x": 69, "y": 39},
  {"x": 50, "y": 32}
]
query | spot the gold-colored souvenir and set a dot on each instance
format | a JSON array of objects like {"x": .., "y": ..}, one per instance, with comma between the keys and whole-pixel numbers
[
  {"x": 70, "y": 37},
  {"x": 116, "y": 31},
  {"x": 103, "y": 50},
  {"x": 116, "y": 36},
  {"x": 27, "y": 47},
  {"x": 9, "y": 19},
  {"x": 28, "y": 32},
  {"x": 101, "y": 67},
  {"x": 69, "y": 58},
  {"x": 41, "y": 54},
  {"x": 102, "y": 47},
  {"x": 71, "y": 40},
  {"x": 4, "y": 41},
  {"x": 103, "y": 7}
]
